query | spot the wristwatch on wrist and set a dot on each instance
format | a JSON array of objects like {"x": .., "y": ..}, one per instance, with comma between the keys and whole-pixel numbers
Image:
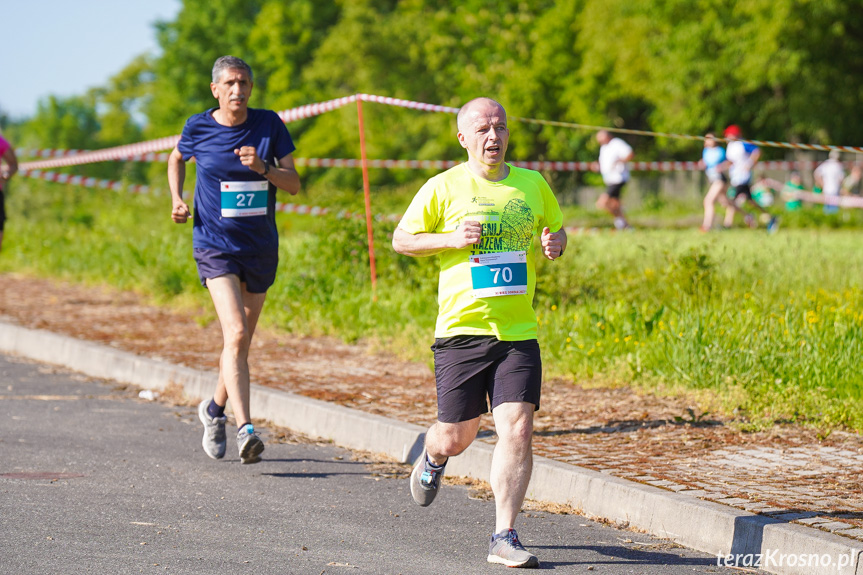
[{"x": 266, "y": 169}]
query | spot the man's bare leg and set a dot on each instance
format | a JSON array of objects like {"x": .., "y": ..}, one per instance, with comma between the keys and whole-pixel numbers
[
  {"x": 238, "y": 311},
  {"x": 444, "y": 440},
  {"x": 512, "y": 463}
]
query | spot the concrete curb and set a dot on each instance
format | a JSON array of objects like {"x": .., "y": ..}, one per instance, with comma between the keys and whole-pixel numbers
[{"x": 784, "y": 548}]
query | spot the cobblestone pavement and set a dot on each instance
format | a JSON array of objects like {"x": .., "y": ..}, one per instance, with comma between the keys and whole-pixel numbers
[{"x": 788, "y": 472}]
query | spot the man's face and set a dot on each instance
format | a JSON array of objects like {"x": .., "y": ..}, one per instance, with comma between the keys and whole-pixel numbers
[
  {"x": 484, "y": 134},
  {"x": 233, "y": 89}
]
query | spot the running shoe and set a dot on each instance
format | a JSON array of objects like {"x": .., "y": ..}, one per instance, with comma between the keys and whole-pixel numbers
[
  {"x": 506, "y": 549},
  {"x": 249, "y": 443},
  {"x": 773, "y": 225},
  {"x": 425, "y": 481},
  {"x": 214, "y": 441}
]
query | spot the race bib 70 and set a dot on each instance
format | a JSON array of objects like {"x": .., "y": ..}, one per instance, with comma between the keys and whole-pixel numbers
[{"x": 499, "y": 274}]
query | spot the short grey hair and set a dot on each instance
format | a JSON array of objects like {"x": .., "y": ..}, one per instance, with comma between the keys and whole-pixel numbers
[{"x": 230, "y": 63}]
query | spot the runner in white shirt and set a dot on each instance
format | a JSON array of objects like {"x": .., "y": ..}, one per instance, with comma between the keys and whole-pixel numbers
[
  {"x": 743, "y": 156},
  {"x": 829, "y": 176},
  {"x": 613, "y": 155}
]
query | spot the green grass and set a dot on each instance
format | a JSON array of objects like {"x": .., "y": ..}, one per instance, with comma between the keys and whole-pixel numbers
[{"x": 768, "y": 328}]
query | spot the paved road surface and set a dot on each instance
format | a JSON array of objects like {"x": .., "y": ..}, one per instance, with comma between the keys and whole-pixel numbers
[{"x": 95, "y": 480}]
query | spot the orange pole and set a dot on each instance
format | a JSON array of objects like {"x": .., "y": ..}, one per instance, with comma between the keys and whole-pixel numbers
[{"x": 367, "y": 195}]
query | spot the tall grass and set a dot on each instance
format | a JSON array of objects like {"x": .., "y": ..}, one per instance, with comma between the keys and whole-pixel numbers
[
  {"x": 769, "y": 327},
  {"x": 766, "y": 327}
]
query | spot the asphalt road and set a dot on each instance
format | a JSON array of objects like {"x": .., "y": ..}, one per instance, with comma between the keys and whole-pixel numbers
[{"x": 95, "y": 480}]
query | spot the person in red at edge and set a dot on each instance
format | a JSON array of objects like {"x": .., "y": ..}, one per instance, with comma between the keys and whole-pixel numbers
[
  {"x": 242, "y": 155},
  {"x": 8, "y": 168}
]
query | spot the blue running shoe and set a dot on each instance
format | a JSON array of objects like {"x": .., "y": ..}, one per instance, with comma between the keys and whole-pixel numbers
[{"x": 773, "y": 225}]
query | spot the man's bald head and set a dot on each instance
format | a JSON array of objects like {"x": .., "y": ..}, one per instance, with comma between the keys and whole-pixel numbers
[
  {"x": 603, "y": 137},
  {"x": 470, "y": 110},
  {"x": 483, "y": 132}
]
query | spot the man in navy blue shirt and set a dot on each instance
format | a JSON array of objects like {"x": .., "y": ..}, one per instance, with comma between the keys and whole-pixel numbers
[{"x": 242, "y": 155}]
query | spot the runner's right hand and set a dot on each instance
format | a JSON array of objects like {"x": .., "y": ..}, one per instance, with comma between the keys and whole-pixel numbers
[
  {"x": 180, "y": 213},
  {"x": 467, "y": 233}
]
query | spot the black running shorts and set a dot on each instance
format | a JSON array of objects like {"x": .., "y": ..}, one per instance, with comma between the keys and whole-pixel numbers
[
  {"x": 470, "y": 371},
  {"x": 743, "y": 190},
  {"x": 613, "y": 190}
]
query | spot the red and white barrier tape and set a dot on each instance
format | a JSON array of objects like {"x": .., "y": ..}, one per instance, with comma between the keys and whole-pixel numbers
[
  {"x": 407, "y": 104},
  {"x": 47, "y": 153},
  {"x": 108, "y": 154},
  {"x": 310, "y": 110},
  {"x": 300, "y": 209},
  {"x": 761, "y": 143},
  {"x": 86, "y": 181},
  {"x": 557, "y": 166},
  {"x": 391, "y": 164}
]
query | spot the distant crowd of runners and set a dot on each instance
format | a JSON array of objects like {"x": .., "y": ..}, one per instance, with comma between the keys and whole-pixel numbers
[
  {"x": 733, "y": 185},
  {"x": 733, "y": 181}
]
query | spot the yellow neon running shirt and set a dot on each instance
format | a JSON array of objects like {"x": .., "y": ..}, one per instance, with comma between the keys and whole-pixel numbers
[{"x": 512, "y": 212}]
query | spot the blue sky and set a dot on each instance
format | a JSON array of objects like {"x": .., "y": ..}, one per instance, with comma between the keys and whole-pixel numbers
[{"x": 64, "y": 47}]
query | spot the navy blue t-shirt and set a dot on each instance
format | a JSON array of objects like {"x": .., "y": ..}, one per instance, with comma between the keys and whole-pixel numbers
[{"x": 219, "y": 225}]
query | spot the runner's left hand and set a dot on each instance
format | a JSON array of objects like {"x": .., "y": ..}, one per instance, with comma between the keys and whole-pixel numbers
[
  {"x": 249, "y": 158},
  {"x": 552, "y": 244}
]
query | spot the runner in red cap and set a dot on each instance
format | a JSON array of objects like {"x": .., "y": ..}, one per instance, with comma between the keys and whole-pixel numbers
[{"x": 733, "y": 131}]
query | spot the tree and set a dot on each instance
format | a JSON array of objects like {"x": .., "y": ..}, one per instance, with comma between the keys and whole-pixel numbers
[
  {"x": 203, "y": 31},
  {"x": 65, "y": 123}
]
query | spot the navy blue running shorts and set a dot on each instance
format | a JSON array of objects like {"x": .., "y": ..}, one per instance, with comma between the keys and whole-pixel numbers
[
  {"x": 471, "y": 370},
  {"x": 258, "y": 272}
]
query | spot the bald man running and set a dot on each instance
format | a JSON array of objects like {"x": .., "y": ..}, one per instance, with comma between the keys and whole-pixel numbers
[{"x": 481, "y": 219}]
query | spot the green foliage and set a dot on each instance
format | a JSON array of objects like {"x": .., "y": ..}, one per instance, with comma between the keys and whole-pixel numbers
[
  {"x": 766, "y": 327},
  {"x": 785, "y": 70},
  {"x": 282, "y": 45},
  {"x": 105, "y": 117},
  {"x": 97, "y": 236},
  {"x": 65, "y": 123},
  {"x": 122, "y": 102},
  {"x": 203, "y": 31}
]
